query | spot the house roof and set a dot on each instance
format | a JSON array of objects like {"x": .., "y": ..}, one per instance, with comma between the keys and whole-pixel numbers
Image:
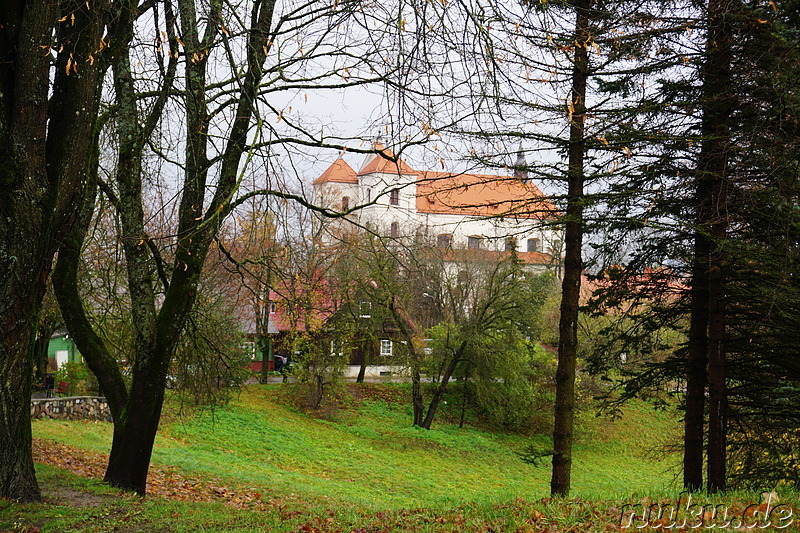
[
  {"x": 481, "y": 195},
  {"x": 301, "y": 307},
  {"x": 385, "y": 162},
  {"x": 466, "y": 255},
  {"x": 338, "y": 172}
]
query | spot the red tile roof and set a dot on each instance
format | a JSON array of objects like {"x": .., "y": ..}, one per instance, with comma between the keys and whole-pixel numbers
[
  {"x": 338, "y": 172},
  {"x": 385, "y": 162},
  {"x": 481, "y": 195},
  {"x": 466, "y": 255}
]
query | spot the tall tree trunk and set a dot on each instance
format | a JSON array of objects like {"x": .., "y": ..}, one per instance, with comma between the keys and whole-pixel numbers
[
  {"x": 697, "y": 360},
  {"x": 573, "y": 263},
  {"x": 158, "y": 334},
  {"x": 717, "y": 109},
  {"x": 45, "y": 124}
]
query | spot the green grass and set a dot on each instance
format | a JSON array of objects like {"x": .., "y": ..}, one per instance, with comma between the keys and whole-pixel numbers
[
  {"x": 374, "y": 457},
  {"x": 364, "y": 470}
]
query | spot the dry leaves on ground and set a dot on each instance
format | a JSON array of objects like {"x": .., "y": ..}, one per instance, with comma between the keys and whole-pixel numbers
[{"x": 162, "y": 481}]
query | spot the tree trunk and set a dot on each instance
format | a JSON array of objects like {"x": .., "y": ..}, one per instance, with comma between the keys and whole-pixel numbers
[
  {"x": 464, "y": 399},
  {"x": 135, "y": 433},
  {"x": 433, "y": 406},
  {"x": 573, "y": 263},
  {"x": 366, "y": 349},
  {"x": 696, "y": 362},
  {"x": 45, "y": 123},
  {"x": 717, "y": 109},
  {"x": 416, "y": 395},
  {"x": 17, "y": 477}
]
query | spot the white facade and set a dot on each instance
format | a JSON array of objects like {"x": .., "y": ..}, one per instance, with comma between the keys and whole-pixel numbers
[{"x": 459, "y": 211}]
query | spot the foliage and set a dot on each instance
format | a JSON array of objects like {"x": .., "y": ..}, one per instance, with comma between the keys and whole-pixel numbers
[
  {"x": 521, "y": 403},
  {"x": 210, "y": 360},
  {"x": 81, "y": 381},
  {"x": 318, "y": 375}
]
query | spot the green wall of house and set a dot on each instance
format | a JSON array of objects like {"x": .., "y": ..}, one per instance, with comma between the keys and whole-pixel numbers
[{"x": 62, "y": 349}]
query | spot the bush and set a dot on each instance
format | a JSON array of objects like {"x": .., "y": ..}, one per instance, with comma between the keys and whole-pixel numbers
[
  {"x": 319, "y": 377},
  {"x": 81, "y": 381}
]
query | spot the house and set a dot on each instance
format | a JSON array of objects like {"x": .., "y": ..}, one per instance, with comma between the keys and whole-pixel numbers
[
  {"x": 321, "y": 317},
  {"x": 62, "y": 349},
  {"x": 492, "y": 213}
]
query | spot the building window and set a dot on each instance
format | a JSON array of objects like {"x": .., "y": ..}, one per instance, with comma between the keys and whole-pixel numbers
[
  {"x": 337, "y": 348},
  {"x": 365, "y": 310},
  {"x": 345, "y": 203},
  {"x": 511, "y": 244},
  {"x": 249, "y": 350},
  {"x": 369, "y": 194},
  {"x": 394, "y": 229},
  {"x": 386, "y": 347},
  {"x": 394, "y": 197},
  {"x": 474, "y": 243},
  {"x": 444, "y": 240},
  {"x": 533, "y": 245},
  {"x": 273, "y": 307},
  {"x": 463, "y": 277}
]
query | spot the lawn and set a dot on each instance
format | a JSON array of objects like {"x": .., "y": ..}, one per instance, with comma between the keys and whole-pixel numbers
[{"x": 258, "y": 464}]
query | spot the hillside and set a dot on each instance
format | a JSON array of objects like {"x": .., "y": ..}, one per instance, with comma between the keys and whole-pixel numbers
[{"x": 258, "y": 464}]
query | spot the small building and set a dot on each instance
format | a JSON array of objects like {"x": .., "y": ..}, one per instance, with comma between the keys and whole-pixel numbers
[{"x": 62, "y": 349}]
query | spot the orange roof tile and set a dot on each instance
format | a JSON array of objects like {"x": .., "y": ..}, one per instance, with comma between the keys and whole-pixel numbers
[
  {"x": 467, "y": 255},
  {"x": 481, "y": 195},
  {"x": 338, "y": 172},
  {"x": 385, "y": 163}
]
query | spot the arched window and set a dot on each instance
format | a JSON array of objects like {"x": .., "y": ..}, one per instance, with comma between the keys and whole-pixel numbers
[
  {"x": 444, "y": 240},
  {"x": 474, "y": 242},
  {"x": 533, "y": 245},
  {"x": 394, "y": 229},
  {"x": 345, "y": 203},
  {"x": 394, "y": 197}
]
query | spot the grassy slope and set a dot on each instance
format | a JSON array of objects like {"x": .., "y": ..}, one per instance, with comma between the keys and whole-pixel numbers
[
  {"x": 373, "y": 457},
  {"x": 368, "y": 472}
]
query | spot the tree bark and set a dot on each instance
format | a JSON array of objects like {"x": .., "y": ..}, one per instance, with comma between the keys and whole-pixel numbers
[
  {"x": 697, "y": 360},
  {"x": 573, "y": 263},
  {"x": 717, "y": 109},
  {"x": 43, "y": 146}
]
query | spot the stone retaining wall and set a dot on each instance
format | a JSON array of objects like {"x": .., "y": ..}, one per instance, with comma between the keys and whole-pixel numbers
[{"x": 71, "y": 408}]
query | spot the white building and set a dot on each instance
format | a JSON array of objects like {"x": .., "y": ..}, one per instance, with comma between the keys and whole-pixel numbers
[{"x": 494, "y": 213}]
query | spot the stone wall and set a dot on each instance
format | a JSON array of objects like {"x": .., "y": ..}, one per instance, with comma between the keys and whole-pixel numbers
[{"x": 71, "y": 408}]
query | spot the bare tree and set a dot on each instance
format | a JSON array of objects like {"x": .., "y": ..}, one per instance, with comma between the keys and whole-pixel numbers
[{"x": 228, "y": 80}]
